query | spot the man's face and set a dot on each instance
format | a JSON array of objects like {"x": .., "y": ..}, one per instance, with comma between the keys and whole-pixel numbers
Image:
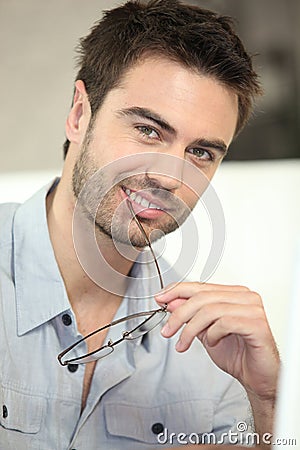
[{"x": 163, "y": 108}]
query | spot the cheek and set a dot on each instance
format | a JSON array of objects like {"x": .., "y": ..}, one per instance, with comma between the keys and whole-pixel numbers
[
  {"x": 211, "y": 170},
  {"x": 109, "y": 149},
  {"x": 188, "y": 197}
]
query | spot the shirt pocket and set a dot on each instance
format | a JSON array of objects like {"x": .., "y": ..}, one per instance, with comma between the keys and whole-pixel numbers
[
  {"x": 21, "y": 411},
  {"x": 154, "y": 425}
]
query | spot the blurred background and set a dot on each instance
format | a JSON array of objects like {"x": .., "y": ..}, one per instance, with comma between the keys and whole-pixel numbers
[
  {"x": 271, "y": 31},
  {"x": 258, "y": 184},
  {"x": 37, "y": 42}
]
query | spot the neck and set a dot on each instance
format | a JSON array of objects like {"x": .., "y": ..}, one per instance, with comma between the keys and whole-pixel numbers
[{"x": 78, "y": 281}]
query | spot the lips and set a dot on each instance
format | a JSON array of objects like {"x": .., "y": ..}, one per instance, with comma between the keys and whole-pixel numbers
[{"x": 143, "y": 204}]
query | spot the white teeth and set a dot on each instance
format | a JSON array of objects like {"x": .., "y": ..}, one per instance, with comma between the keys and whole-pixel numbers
[
  {"x": 145, "y": 203},
  {"x": 137, "y": 199},
  {"x": 153, "y": 206},
  {"x": 140, "y": 200}
]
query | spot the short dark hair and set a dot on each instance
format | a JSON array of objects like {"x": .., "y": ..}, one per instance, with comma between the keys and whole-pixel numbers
[{"x": 196, "y": 38}]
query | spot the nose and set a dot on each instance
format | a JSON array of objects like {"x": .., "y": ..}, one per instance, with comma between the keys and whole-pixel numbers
[{"x": 167, "y": 170}]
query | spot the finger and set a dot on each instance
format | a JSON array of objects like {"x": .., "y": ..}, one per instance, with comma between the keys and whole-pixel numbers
[
  {"x": 182, "y": 310},
  {"x": 209, "y": 297},
  {"x": 174, "y": 304},
  {"x": 210, "y": 315},
  {"x": 188, "y": 289}
]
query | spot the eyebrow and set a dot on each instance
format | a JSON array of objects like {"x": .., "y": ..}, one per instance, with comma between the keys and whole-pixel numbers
[
  {"x": 215, "y": 144},
  {"x": 145, "y": 113}
]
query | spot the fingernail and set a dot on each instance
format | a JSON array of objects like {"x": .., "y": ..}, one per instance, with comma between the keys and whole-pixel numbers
[
  {"x": 179, "y": 346},
  {"x": 165, "y": 331}
]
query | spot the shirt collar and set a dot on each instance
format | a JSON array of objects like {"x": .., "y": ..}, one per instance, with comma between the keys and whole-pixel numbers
[{"x": 40, "y": 291}]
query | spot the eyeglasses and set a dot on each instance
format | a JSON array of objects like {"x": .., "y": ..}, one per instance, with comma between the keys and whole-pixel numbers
[{"x": 134, "y": 329}]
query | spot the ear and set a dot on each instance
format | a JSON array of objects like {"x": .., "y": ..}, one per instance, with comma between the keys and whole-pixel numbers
[{"x": 79, "y": 116}]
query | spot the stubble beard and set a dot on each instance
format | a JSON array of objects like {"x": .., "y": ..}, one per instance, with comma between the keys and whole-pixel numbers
[{"x": 101, "y": 214}]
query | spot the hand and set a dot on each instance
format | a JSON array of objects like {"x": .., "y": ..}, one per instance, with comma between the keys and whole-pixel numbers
[{"x": 231, "y": 323}]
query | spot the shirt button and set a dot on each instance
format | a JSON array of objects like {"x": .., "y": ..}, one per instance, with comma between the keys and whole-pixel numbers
[
  {"x": 72, "y": 367},
  {"x": 4, "y": 411},
  {"x": 66, "y": 319},
  {"x": 157, "y": 428}
]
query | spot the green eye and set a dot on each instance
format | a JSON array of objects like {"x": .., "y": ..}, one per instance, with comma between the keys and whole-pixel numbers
[
  {"x": 202, "y": 154},
  {"x": 198, "y": 152},
  {"x": 148, "y": 131}
]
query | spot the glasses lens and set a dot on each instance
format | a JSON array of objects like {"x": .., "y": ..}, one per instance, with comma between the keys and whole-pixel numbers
[
  {"x": 104, "y": 351},
  {"x": 72, "y": 358},
  {"x": 146, "y": 325}
]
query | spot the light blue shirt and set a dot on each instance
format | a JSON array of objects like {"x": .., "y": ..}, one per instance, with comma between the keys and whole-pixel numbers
[{"x": 143, "y": 388}]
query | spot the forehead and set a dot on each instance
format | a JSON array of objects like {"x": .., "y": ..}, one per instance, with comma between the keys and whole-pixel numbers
[{"x": 184, "y": 97}]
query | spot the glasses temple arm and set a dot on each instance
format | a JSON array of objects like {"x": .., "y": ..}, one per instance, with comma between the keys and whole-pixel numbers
[{"x": 147, "y": 242}]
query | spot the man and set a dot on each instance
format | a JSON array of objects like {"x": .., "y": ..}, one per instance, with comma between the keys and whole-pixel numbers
[{"x": 162, "y": 79}]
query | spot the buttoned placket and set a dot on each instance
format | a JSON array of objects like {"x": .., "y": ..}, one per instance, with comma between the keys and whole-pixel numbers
[
  {"x": 109, "y": 372},
  {"x": 73, "y": 375}
]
